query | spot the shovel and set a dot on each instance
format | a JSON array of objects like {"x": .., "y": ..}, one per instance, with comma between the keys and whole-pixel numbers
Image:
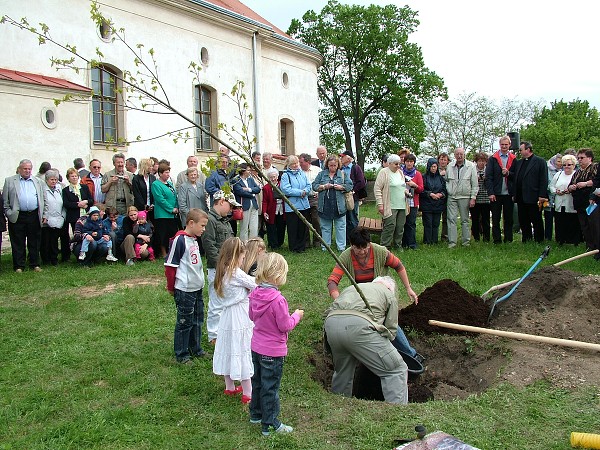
[{"x": 531, "y": 269}]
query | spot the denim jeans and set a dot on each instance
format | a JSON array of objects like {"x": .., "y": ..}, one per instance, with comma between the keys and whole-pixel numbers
[
  {"x": 265, "y": 389},
  {"x": 94, "y": 252},
  {"x": 340, "y": 232},
  {"x": 401, "y": 343},
  {"x": 188, "y": 328}
]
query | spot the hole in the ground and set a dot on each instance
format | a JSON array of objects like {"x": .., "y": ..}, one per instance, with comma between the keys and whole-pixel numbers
[{"x": 458, "y": 364}]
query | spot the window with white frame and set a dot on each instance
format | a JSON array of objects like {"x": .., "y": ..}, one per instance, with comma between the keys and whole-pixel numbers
[
  {"x": 105, "y": 107},
  {"x": 205, "y": 116}
]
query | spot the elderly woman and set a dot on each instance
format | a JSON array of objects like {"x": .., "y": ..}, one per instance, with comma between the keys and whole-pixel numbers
[
  {"x": 480, "y": 213},
  {"x": 554, "y": 166},
  {"x": 296, "y": 187},
  {"x": 246, "y": 190},
  {"x": 390, "y": 196},
  {"x": 565, "y": 215},
  {"x": 166, "y": 209},
  {"x": 273, "y": 211},
  {"x": 414, "y": 184},
  {"x": 581, "y": 188},
  {"x": 77, "y": 198},
  {"x": 331, "y": 184},
  {"x": 191, "y": 194},
  {"x": 53, "y": 220},
  {"x": 432, "y": 202}
]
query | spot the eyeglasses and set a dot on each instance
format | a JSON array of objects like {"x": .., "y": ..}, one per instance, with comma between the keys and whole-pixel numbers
[
  {"x": 566, "y": 165},
  {"x": 581, "y": 157},
  {"x": 95, "y": 167}
]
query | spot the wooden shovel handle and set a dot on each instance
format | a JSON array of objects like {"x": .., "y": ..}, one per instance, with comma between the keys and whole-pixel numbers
[{"x": 513, "y": 335}]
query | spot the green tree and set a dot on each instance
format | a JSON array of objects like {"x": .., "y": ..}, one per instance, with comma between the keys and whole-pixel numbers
[
  {"x": 563, "y": 125},
  {"x": 373, "y": 83},
  {"x": 473, "y": 122}
]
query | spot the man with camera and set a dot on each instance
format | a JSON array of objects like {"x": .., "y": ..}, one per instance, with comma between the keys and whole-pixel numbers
[{"x": 117, "y": 185}]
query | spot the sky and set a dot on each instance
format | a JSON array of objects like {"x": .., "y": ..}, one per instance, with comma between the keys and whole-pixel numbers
[{"x": 523, "y": 50}]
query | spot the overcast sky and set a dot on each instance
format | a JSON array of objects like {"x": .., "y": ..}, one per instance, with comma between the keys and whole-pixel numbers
[{"x": 511, "y": 49}]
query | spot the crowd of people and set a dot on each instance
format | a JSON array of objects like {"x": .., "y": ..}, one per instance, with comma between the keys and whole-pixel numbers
[{"x": 491, "y": 198}]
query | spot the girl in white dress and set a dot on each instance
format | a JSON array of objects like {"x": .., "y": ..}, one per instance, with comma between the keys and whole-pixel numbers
[{"x": 233, "y": 356}]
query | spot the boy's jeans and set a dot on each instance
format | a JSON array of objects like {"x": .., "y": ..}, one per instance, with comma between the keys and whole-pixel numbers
[
  {"x": 265, "y": 389},
  {"x": 188, "y": 328}
]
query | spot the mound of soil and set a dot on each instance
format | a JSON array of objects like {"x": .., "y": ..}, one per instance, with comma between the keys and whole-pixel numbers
[{"x": 551, "y": 302}]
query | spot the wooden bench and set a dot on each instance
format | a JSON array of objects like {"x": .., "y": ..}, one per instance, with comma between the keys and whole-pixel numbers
[{"x": 372, "y": 225}]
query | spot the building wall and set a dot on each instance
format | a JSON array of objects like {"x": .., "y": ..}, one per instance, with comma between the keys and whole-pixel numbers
[{"x": 177, "y": 31}]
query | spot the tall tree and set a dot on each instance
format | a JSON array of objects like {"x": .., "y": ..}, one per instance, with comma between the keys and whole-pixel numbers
[
  {"x": 473, "y": 122},
  {"x": 373, "y": 83},
  {"x": 563, "y": 125}
]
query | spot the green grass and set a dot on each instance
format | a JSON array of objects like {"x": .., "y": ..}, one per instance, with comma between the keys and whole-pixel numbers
[{"x": 83, "y": 366}]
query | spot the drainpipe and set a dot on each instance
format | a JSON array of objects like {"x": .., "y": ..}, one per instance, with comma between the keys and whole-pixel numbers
[{"x": 255, "y": 92}]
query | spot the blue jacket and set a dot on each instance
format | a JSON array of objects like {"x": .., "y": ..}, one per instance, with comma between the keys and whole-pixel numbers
[
  {"x": 293, "y": 184},
  {"x": 322, "y": 179},
  {"x": 244, "y": 197}
]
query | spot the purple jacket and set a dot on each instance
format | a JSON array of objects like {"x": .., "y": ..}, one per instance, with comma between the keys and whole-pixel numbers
[{"x": 272, "y": 321}]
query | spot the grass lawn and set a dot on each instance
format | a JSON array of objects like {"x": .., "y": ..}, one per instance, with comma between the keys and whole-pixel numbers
[{"x": 87, "y": 362}]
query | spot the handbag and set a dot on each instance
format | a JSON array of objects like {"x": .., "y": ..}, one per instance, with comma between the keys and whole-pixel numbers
[
  {"x": 348, "y": 197},
  {"x": 237, "y": 214}
]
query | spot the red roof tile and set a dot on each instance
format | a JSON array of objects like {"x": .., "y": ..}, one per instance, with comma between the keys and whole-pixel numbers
[
  {"x": 40, "y": 80},
  {"x": 239, "y": 8}
]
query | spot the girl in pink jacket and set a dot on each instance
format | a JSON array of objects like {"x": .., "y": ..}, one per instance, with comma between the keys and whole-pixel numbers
[{"x": 272, "y": 322}]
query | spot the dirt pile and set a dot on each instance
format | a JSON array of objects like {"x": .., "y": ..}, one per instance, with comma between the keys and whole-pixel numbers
[
  {"x": 551, "y": 302},
  {"x": 447, "y": 301}
]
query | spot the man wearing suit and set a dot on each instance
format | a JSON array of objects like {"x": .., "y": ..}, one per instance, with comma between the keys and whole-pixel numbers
[
  {"x": 321, "y": 157},
  {"x": 530, "y": 178},
  {"x": 24, "y": 207}
]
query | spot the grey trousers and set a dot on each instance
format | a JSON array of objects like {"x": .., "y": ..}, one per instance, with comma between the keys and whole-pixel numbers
[
  {"x": 458, "y": 207},
  {"x": 352, "y": 339},
  {"x": 393, "y": 229}
]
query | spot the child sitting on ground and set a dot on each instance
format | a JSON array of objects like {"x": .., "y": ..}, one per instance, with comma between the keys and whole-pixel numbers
[
  {"x": 232, "y": 357},
  {"x": 185, "y": 280},
  {"x": 145, "y": 228},
  {"x": 255, "y": 249},
  {"x": 93, "y": 230},
  {"x": 272, "y": 322}
]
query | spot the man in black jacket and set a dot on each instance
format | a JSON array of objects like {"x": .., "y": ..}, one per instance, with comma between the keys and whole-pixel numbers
[{"x": 530, "y": 178}]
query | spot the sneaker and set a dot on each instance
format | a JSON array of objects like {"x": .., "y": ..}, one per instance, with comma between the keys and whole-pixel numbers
[
  {"x": 255, "y": 421},
  {"x": 201, "y": 354},
  {"x": 130, "y": 262},
  {"x": 18, "y": 270},
  {"x": 81, "y": 256},
  {"x": 420, "y": 358},
  {"x": 186, "y": 361},
  {"x": 37, "y": 269},
  {"x": 111, "y": 258},
  {"x": 246, "y": 399},
  {"x": 283, "y": 428}
]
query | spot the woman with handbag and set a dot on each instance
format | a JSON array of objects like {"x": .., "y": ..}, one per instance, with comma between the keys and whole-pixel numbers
[
  {"x": 390, "y": 195},
  {"x": 334, "y": 191}
]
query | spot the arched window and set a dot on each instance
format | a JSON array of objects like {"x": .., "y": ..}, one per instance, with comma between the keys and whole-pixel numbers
[
  {"x": 105, "y": 106},
  {"x": 205, "y": 115}
]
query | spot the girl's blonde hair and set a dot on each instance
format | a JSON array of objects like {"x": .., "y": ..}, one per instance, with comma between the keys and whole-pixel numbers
[
  {"x": 253, "y": 248},
  {"x": 272, "y": 269},
  {"x": 229, "y": 257}
]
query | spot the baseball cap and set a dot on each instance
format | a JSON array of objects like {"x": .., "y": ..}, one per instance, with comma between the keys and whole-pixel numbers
[
  {"x": 230, "y": 198},
  {"x": 348, "y": 153}
]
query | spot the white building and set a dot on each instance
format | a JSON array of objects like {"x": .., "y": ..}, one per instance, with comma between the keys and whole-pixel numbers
[{"x": 228, "y": 40}]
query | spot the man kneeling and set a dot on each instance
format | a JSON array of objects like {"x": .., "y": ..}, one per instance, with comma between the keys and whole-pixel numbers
[{"x": 356, "y": 334}]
